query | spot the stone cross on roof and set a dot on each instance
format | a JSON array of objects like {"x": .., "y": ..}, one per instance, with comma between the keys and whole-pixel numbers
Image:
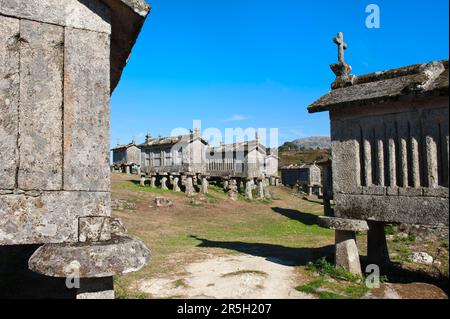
[
  {"x": 342, "y": 46},
  {"x": 341, "y": 69}
]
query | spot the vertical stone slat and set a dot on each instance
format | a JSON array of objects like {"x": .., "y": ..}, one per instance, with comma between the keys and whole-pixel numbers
[
  {"x": 391, "y": 133},
  {"x": 41, "y": 98},
  {"x": 9, "y": 100},
  {"x": 431, "y": 137},
  {"x": 379, "y": 138},
  {"x": 86, "y": 110},
  {"x": 367, "y": 145},
  {"x": 415, "y": 136},
  {"x": 403, "y": 151}
]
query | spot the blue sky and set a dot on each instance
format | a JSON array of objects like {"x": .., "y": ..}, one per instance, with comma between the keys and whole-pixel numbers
[{"x": 260, "y": 63}]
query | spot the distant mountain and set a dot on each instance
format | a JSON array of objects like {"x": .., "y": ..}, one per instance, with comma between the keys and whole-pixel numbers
[{"x": 308, "y": 143}]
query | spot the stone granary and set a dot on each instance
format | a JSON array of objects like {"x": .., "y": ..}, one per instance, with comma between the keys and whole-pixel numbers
[
  {"x": 189, "y": 160},
  {"x": 307, "y": 177},
  {"x": 126, "y": 157},
  {"x": 390, "y": 147},
  {"x": 59, "y": 62}
]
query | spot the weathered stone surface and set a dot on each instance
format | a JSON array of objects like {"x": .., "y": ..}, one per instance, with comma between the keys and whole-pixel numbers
[
  {"x": 9, "y": 100},
  {"x": 248, "y": 190},
  {"x": 346, "y": 156},
  {"x": 347, "y": 255},
  {"x": 393, "y": 209},
  {"x": 421, "y": 258},
  {"x": 41, "y": 97},
  {"x": 83, "y": 14},
  {"x": 47, "y": 217},
  {"x": 94, "y": 229},
  {"x": 120, "y": 255},
  {"x": 86, "y": 115},
  {"x": 163, "y": 202},
  {"x": 343, "y": 224},
  {"x": 164, "y": 183},
  {"x": 190, "y": 190}
]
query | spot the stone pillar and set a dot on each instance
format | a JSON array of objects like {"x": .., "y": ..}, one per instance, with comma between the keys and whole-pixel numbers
[
  {"x": 127, "y": 169},
  {"x": 310, "y": 190},
  {"x": 164, "y": 183},
  {"x": 176, "y": 184},
  {"x": 272, "y": 181},
  {"x": 233, "y": 190},
  {"x": 241, "y": 184},
  {"x": 142, "y": 182},
  {"x": 204, "y": 186},
  {"x": 225, "y": 185},
  {"x": 190, "y": 190},
  {"x": 260, "y": 189},
  {"x": 320, "y": 191},
  {"x": 377, "y": 249},
  {"x": 347, "y": 256},
  {"x": 153, "y": 181},
  {"x": 139, "y": 170},
  {"x": 96, "y": 288},
  {"x": 248, "y": 190}
]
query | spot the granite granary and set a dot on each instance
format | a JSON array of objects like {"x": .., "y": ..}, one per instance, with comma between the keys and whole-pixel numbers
[
  {"x": 390, "y": 147},
  {"x": 188, "y": 160},
  {"x": 59, "y": 62}
]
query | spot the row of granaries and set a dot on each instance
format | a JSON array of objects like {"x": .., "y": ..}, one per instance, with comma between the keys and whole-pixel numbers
[{"x": 177, "y": 159}]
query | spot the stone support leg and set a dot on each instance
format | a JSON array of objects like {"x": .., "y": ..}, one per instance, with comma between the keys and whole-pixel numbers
[
  {"x": 164, "y": 183},
  {"x": 204, "y": 186},
  {"x": 248, "y": 190},
  {"x": 377, "y": 250},
  {"x": 347, "y": 256},
  {"x": 176, "y": 184}
]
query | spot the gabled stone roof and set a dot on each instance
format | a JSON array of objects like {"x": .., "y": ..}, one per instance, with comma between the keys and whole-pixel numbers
[
  {"x": 420, "y": 80},
  {"x": 238, "y": 147},
  {"x": 124, "y": 146},
  {"x": 172, "y": 140}
]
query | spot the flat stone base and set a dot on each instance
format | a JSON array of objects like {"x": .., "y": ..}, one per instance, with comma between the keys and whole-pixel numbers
[{"x": 119, "y": 255}]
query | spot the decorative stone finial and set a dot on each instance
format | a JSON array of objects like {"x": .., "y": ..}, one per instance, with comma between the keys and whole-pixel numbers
[
  {"x": 342, "y": 46},
  {"x": 341, "y": 69},
  {"x": 148, "y": 137}
]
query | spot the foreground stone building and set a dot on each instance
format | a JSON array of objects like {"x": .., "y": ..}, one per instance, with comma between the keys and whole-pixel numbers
[
  {"x": 59, "y": 62},
  {"x": 390, "y": 147}
]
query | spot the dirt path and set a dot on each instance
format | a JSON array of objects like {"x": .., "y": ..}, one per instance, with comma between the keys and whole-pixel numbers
[{"x": 232, "y": 277}]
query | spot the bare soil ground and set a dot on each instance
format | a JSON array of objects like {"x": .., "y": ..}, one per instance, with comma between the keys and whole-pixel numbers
[{"x": 212, "y": 247}]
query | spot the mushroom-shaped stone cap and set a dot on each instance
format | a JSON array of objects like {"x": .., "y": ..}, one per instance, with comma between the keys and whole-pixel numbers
[
  {"x": 343, "y": 224},
  {"x": 119, "y": 255}
]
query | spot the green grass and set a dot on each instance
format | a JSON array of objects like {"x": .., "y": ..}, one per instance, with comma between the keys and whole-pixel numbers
[
  {"x": 135, "y": 187},
  {"x": 333, "y": 283}
]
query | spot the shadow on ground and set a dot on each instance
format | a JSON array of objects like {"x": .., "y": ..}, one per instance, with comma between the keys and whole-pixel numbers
[
  {"x": 287, "y": 256},
  {"x": 304, "y": 218}
]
